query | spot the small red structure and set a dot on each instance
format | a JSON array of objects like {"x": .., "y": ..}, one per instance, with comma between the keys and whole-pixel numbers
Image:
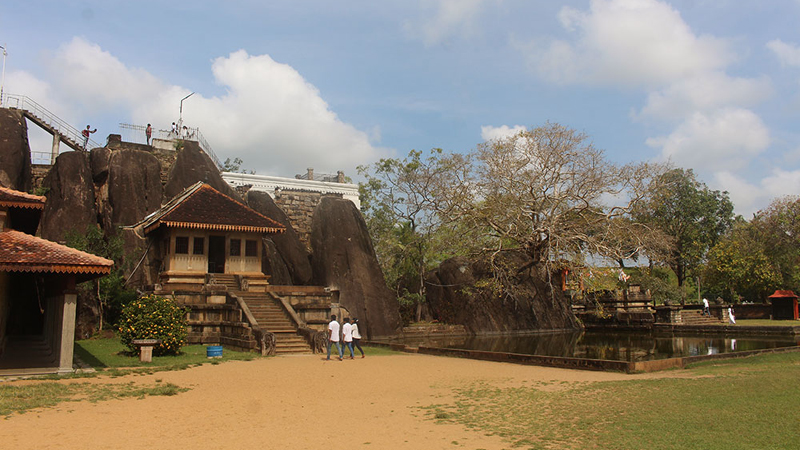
[{"x": 784, "y": 305}]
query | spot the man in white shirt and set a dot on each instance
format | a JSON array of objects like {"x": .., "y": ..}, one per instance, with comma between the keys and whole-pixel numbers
[
  {"x": 347, "y": 334},
  {"x": 706, "y": 310},
  {"x": 333, "y": 337}
]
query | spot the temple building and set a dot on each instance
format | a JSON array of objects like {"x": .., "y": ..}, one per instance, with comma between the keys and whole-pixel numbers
[{"x": 37, "y": 290}]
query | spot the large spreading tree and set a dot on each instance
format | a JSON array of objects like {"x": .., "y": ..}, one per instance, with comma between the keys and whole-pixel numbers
[{"x": 692, "y": 214}]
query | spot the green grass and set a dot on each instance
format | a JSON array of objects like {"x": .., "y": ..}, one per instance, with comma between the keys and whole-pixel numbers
[
  {"x": 374, "y": 351},
  {"x": 22, "y": 398},
  {"x": 767, "y": 323},
  {"x": 749, "y": 403},
  {"x": 105, "y": 354}
]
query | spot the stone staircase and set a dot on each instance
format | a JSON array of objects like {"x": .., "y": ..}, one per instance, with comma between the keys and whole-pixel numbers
[
  {"x": 696, "y": 317},
  {"x": 270, "y": 316}
]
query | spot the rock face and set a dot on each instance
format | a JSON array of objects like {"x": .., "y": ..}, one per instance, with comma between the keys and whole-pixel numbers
[
  {"x": 274, "y": 266},
  {"x": 344, "y": 259},
  {"x": 70, "y": 204},
  {"x": 287, "y": 245},
  {"x": 193, "y": 165},
  {"x": 454, "y": 298},
  {"x": 134, "y": 186},
  {"x": 15, "y": 154}
]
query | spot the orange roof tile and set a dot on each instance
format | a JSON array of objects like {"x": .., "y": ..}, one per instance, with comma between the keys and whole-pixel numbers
[
  {"x": 10, "y": 197},
  {"x": 20, "y": 252},
  {"x": 202, "y": 207}
]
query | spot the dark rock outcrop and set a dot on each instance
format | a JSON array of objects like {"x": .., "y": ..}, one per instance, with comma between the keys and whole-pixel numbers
[
  {"x": 454, "y": 297},
  {"x": 134, "y": 186},
  {"x": 70, "y": 204},
  {"x": 193, "y": 165},
  {"x": 273, "y": 265},
  {"x": 344, "y": 259},
  {"x": 287, "y": 244},
  {"x": 99, "y": 158},
  {"x": 15, "y": 153}
]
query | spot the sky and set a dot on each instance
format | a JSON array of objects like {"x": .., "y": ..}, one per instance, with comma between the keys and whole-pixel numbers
[{"x": 709, "y": 85}]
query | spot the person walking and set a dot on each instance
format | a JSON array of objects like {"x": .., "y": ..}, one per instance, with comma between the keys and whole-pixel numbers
[
  {"x": 347, "y": 335},
  {"x": 86, "y": 134},
  {"x": 149, "y": 133},
  {"x": 333, "y": 337},
  {"x": 706, "y": 310},
  {"x": 731, "y": 319},
  {"x": 357, "y": 336}
]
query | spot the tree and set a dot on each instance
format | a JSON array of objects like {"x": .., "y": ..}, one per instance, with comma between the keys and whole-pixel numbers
[
  {"x": 235, "y": 166},
  {"x": 777, "y": 228},
  {"x": 692, "y": 214},
  {"x": 738, "y": 266},
  {"x": 544, "y": 191},
  {"x": 401, "y": 216}
]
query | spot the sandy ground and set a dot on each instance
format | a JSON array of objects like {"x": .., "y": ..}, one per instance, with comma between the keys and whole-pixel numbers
[{"x": 287, "y": 402}]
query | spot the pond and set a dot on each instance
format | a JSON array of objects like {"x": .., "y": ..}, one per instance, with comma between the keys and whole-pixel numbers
[{"x": 609, "y": 346}]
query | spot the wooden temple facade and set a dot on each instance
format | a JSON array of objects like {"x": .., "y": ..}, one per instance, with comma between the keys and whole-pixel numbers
[{"x": 206, "y": 250}]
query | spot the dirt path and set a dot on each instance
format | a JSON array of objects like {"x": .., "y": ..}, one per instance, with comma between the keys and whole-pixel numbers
[{"x": 289, "y": 402}]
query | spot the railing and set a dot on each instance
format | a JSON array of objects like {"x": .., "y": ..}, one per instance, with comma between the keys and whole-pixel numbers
[
  {"x": 64, "y": 129},
  {"x": 137, "y": 134}
]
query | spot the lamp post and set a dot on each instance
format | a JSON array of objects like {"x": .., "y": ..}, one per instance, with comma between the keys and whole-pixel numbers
[
  {"x": 3, "y": 80},
  {"x": 180, "y": 118}
]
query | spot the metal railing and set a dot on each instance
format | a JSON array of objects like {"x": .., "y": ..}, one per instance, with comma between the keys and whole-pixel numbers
[
  {"x": 55, "y": 123},
  {"x": 137, "y": 134}
]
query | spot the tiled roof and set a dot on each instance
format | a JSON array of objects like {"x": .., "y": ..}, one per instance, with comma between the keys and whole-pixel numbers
[
  {"x": 783, "y": 294},
  {"x": 10, "y": 197},
  {"x": 20, "y": 252},
  {"x": 203, "y": 207}
]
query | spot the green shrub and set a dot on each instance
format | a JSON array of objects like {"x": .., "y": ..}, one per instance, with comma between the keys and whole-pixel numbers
[{"x": 154, "y": 317}]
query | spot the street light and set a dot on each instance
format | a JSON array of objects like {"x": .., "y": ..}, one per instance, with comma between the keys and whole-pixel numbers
[
  {"x": 3, "y": 81},
  {"x": 180, "y": 119}
]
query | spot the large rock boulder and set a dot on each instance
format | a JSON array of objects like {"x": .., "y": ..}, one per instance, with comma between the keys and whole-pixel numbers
[
  {"x": 70, "y": 202},
  {"x": 134, "y": 186},
  {"x": 273, "y": 265},
  {"x": 287, "y": 244},
  {"x": 344, "y": 259},
  {"x": 193, "y": 165},
  {"x": 15, "y": 154},
  {"x": 465, "y": 292}
]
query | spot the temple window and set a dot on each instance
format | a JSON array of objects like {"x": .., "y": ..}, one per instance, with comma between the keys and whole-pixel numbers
[
  {"x": 199, "y": 244},
  {"x": 250, "y": 248},
  {"x": 182, "y": 245},
  {"x": 236, "y": 247}
]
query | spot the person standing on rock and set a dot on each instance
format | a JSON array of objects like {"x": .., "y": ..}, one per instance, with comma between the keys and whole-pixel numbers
[
  {"x": 174, "y": 129},
  {"x": 86, "y": 133},
  {"x": 357, "y": 336},
  {"x": 347, "y": 335},
  {"x": 333, "y": 337},
  {"x": 149, "y": 133}
]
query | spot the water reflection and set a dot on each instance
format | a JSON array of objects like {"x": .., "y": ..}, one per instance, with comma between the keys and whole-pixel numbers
[{"x": 608, "y": 346}]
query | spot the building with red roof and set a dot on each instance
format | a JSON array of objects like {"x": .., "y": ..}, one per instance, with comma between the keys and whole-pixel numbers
[
  {"x": 37, "y": 290},
  {"x": 784, "y": 305}
]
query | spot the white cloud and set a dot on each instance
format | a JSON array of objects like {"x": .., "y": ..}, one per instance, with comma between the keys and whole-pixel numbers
[
  {"x": 450, "y": 18},
  {"x": 788, "y": 54},
  {"x": 724, "y": 140},
  {"x": 270, "y": 116},
  {"x": 704, "y": 93},
  {"x": 628, "y": 43},
  {"x": 748, "y": 198},
  {"x": 490, "y": 133}
]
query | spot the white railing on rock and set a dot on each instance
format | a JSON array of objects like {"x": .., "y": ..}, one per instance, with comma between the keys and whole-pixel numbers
[
  {"x": 270, "y": 185},
  {"x": 25, "y": 103}
]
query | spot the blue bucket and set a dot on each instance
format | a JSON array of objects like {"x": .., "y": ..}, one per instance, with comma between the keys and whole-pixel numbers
[{"x": 214, "y": 351}]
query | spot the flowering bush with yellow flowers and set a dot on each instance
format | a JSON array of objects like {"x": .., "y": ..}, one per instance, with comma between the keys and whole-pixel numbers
[{"x": 154, "y": 317}]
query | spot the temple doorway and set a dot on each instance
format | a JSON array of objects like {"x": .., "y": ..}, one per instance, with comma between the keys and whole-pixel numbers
[{"x": 216, "y": 254}]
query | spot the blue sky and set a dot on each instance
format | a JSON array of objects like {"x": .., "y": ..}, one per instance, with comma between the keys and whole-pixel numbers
[{"x": 711, "y": 85}]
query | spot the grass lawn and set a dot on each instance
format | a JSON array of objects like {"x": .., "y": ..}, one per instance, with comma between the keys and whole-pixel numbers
[
  {"x": 105, "y": 353},
  {"x": 767, "y": 323},
  {"x": 749, "y": 403}
]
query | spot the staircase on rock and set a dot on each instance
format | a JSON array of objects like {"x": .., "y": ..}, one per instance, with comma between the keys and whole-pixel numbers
[{"x": 270, "y": 315}]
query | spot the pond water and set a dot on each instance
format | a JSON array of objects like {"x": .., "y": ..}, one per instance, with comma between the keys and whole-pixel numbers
[{"x": 609, "y": 346}]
